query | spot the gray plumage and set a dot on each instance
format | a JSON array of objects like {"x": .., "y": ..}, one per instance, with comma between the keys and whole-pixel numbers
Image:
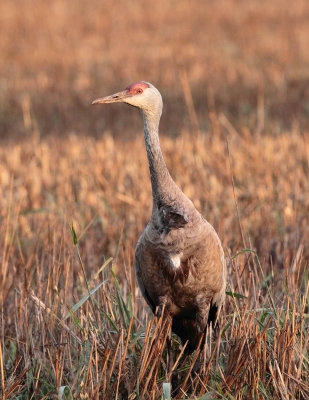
[{"x": 179, "y": 260}]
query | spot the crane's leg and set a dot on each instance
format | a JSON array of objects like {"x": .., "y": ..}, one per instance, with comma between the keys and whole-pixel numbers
[
  {"x": 175, "y": 381},
  {"x": 161, "y": 311},
  {"x": 201, "y": 323},
  {"x": 170, "y": 361}
]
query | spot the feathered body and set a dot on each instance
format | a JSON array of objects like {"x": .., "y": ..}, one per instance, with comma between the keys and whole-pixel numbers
[{"x": 179, "y": 260}]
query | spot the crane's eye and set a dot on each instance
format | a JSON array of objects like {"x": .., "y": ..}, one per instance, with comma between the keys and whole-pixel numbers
[{"x": 139, "y": 91}]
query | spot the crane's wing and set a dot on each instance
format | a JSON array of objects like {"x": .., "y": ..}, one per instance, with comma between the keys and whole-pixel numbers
[
  {"x": 138, "y": 266},
  {"x": 172, "y": 218}
]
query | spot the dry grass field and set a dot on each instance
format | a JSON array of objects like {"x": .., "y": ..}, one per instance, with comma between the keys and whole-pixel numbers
[{"x": 75, "y": 193}]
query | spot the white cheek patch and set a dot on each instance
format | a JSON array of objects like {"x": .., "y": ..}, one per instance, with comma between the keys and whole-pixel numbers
[{"x": 175, "y": 260}]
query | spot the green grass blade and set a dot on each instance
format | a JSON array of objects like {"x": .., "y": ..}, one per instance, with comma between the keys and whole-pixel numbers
[
  {"x": 82, "y": 301},
  {"x": 123, "y": 309},
  {"x": 237, "y": 295},
  {"x": 74, "y": 236},
  {"x": 65, "y": 393}
]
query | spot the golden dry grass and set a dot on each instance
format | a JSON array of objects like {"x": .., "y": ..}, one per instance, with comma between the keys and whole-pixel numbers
[{"x": 245, "y": 65}]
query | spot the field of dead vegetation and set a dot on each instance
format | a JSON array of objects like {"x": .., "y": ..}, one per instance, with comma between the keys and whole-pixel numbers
[{"x": 75, "y": 193}]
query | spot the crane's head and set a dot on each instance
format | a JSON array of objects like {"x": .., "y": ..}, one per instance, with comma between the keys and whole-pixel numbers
[{"x": 142, "y": 95}]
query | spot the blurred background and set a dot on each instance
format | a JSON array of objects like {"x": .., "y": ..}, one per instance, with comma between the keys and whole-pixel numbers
[
  {"x": 55, "y": 57},
  {"x": 234, "y": 76}
]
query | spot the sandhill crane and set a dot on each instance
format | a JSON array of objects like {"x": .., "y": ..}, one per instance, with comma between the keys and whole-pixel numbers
[{"x": 179, "y": 260}]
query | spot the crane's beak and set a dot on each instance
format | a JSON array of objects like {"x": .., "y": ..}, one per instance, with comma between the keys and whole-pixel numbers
[{"x": 114, "y": 98}]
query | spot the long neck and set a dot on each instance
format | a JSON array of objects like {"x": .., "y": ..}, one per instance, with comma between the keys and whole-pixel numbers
[{"x": 161, "y": 180}]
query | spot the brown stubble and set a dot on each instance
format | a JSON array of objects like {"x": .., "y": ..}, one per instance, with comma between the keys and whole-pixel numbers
[{"x": 50, "y": 280}]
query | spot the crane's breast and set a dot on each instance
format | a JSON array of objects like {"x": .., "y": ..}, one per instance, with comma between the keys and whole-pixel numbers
[{"x": 177, "y": 270}]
